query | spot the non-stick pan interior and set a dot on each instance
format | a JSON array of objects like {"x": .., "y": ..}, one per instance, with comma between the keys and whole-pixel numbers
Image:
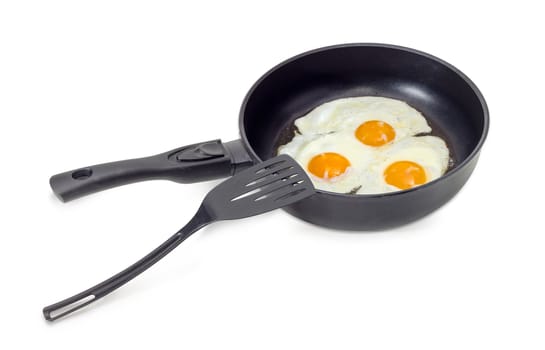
[{"x": 446, "y": 97}]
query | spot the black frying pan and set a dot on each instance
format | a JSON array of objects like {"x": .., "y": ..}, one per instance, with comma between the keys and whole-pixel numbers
[{"x": 451, "y": 103}]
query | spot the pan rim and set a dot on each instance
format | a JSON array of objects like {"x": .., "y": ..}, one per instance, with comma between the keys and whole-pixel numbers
[{"x": 474, "y": 153}]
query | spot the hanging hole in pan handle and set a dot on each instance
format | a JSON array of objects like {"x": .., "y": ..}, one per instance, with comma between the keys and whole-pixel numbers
[{"x": 82, "y": 174}]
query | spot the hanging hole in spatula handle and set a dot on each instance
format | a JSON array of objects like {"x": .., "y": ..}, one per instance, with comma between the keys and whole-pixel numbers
[{"x": 65, "y": 307}]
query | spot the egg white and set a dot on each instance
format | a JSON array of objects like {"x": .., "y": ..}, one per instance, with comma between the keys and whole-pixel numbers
[{"x": 331, "y": 127}]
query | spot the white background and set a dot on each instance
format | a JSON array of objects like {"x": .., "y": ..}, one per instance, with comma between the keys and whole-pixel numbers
[{"x": 95, "y": 81}]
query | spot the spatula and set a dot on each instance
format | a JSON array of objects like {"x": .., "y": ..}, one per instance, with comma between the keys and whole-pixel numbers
[{"x": 270, "y": 185}]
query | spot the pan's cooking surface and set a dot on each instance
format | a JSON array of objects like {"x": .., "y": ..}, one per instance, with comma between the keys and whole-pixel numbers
[{"x": 450, "y": 106}]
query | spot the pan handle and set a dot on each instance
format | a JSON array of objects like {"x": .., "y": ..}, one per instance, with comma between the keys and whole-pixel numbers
[{"x": 194, "y": 163}]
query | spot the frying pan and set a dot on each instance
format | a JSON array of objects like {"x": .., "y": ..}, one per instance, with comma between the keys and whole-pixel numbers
[{"x": 449, "y": 100}]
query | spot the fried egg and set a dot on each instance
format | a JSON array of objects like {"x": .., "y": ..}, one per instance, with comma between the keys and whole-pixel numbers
[
  {"x": 334, "y": 161},
  {"x": 405, "y": 164},
  {"x": 367, "y": 145}
]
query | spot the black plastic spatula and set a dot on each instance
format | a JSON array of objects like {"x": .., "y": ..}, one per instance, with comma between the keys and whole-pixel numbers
[{"x": 270, "y": 185}]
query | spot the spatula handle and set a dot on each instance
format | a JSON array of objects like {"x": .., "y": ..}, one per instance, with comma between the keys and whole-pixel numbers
[{"x": 69, "y": 305}]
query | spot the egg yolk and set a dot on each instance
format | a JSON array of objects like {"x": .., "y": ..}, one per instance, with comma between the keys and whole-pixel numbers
[
  {"x": 405, "y": 174},
  {"x": 375, "y": 133},
  {"x": 328, "y": 165}
]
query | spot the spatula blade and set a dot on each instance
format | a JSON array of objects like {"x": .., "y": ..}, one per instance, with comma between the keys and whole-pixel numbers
[{"x": 270, "y": 185}]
